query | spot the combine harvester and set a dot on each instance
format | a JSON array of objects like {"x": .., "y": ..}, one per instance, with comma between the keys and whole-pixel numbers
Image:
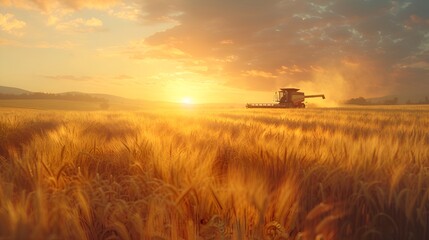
[{"x": 286, "y": 98}]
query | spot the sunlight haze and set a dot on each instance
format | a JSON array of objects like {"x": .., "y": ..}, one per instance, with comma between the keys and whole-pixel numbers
[{"x": 215, "y": 51}]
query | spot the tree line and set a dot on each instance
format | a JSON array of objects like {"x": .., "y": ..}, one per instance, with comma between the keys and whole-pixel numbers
[{"x": 393, "y": 101}]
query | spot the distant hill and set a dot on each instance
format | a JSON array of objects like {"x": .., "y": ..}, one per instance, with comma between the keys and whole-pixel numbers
[
  {"x": 17, "y": 91},
  {"x": 15, "y": 97},
  {"x": 12, "y": 90}
]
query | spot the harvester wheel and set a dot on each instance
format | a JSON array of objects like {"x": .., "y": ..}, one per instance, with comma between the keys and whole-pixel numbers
[{"x": 302, "y": 105}]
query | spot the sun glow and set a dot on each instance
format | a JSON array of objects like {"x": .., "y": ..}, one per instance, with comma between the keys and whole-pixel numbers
[{"x": 187, "y": 100}]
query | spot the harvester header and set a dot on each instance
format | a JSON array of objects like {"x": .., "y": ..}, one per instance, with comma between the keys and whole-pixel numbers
[{"x": 286, "y": 98}]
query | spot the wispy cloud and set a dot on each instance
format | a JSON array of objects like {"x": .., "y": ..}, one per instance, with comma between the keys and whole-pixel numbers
[
  {"x": 257, "y": 73},
  {"x": 58, "y": 45},
  {"x": 139, "y": 49},
  {"x": 10, "y": 24},
  {"x": 50, "y": 5},
  {"x": 41, "y": 45},
  {"x": 6, "y": 42},
  {"x": 131, "y": 11},
  {"x": 81, "y": 25},
  {"x": 69, "y": 78},
  {"x": 123, "y": 77}
]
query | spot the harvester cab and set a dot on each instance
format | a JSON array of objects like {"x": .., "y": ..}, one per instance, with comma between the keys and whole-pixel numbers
[{"x": 286, "y": 98}]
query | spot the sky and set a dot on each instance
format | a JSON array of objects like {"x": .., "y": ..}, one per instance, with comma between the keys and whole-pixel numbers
[{"x": 216, "y": 50}]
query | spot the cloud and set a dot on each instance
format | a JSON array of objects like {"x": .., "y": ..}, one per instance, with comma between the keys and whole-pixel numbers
[
  {"x": 139, "y": 49},
  {"x": 59, "y": 45},
  {"x": 131, "y": 12},
  {"x": 69, "y": 78},
  {"x": 256, "y": 73},
  {"x": 414, "y": 19},
  {"x": 123, "y": 77},
  {"x": 40, "y": 45},
  {"x": 5, "y": 42},
  {"x": 11, "y": 25},
  {"x": 49, "y": 5},
  {"x": 80, "y": 25},
  {"x": 262, "y": 45}
]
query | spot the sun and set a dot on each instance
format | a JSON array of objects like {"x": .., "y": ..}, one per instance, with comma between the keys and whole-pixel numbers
[{"x": 187, "y": 100}]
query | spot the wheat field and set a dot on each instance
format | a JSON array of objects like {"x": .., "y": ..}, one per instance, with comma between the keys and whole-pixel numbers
[{"x": 340, "y": 173}]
